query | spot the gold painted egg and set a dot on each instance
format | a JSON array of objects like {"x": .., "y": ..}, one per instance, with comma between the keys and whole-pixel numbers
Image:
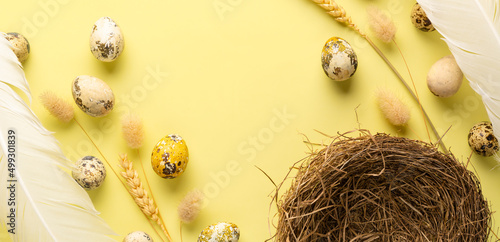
[
  {"x": 481, "y": 139},
  {"x": 338, "y": 59},
  {"x": 170, "y": 156},
  {"x": 92, "y": 95},
  {"x": 106, "y": 40},
  {"x": 138, "y": 236},
  {"x": 227, "y": 232}
]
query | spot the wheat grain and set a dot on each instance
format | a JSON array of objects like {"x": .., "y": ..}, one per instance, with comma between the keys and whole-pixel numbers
[
  {"x": 145, "y": 203},
  {"x": 339, "y": 13}
]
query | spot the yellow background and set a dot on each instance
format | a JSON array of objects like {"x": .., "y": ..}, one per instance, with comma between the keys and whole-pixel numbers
[{"x": 217, "y": 72}]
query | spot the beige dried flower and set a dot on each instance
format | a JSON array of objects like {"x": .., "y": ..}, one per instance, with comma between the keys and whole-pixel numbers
[
  {"x": 56, "y": 106},
  {"x": 396, "y": 112},
  {"x": 382, "y": 25},
  {"x": 132, "y": 129},
  {"x": 190, "y": 206}
]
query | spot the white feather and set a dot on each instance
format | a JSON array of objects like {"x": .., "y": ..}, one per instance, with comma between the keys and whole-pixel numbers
[
  {"x": 50, "y": 205},
  {"x": 471, "y": 28}
]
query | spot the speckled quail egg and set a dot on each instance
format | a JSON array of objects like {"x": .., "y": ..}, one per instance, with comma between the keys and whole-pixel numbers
[
  {"x": 338, "y": 59},
  {"x": 138, "y": 236},
  {"x": 481, "y": 139},
  {"x": 106, "y": 40},
  {"x": 227, "y": 232},
  {"x": 89, "y": 172},
  {"x": 92, "y": 95},
  {"x": 20, "y": 45},
  {"x": 170, "y": 156},
  {"x": 445, "y": 77},
  {"x": 420, "y": 20}
]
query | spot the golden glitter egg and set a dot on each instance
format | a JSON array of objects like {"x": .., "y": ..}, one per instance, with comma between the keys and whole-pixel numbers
[
  {"x": 220, "y": 232},
  {"x": 170, "y": 156}
]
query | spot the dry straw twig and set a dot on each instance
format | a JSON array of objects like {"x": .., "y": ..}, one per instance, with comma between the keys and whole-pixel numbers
[{"x": 145, "y": 203}]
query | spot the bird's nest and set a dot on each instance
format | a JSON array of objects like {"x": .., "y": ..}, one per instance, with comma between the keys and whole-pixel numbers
[{"x": 383, "y": 188}]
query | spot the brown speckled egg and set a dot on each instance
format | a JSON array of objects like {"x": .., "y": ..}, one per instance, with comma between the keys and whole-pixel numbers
[
  {"x": 89, "y": 172},
  {"x": 106, "y": 40},
  {"x": 20, "y": 45},
  {"x": 170, "y": 156},
  {"x": 227, "y": 232},
  {"x": 338, "y": 59},
  {"x": 481, "y": 139},
  {"x": 420, "y": 20},
  {"x": 138, "y": 236},
  {"x": 92, "y": 95}
]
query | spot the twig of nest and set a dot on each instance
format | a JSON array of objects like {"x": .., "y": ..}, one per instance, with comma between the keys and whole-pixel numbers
[{"x": 383, "y": 188}]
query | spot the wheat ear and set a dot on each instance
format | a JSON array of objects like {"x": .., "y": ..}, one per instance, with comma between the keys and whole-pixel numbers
[
  {"x": 145, "y": 203},
  {"x": 340, "y": 15},
  {"x": 338, "y": 12}
]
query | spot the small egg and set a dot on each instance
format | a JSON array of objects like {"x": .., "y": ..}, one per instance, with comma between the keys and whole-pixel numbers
[
  {"x": 445, "y": 77},
  {"x": 227, "y": 232},
  {"x": 20, "y": 45},
  {"x": 338, "y": 59},
  {"x": 92, "y": 95},
  {"x": 138, "y": 236},
  {"x": 89, "y": 172},
  {"x": 420, "y": 20},
  {"x": 482, "y": 140},
  {"x": 106, "y": 40},
  {"x": 170, "y": 156}
]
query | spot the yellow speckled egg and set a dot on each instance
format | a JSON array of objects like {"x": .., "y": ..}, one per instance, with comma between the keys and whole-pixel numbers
[
  {"x": 338, "y": 59},
  {"x": 227, "y": 232},
  {"x": 170, "y": 156}
]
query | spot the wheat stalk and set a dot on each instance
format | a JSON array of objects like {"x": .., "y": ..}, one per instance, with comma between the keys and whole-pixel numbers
[
  {"x": 340, "y": 15},
  {"x": 338, "y": 12},
  {"x": 145, "y": 203}
]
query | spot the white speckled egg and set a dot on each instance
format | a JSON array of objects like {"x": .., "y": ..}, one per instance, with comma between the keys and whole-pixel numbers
[
  {"x": 138, "y": 236},
  {"x": 420, "y": 20},
  {"x": 481, "y": 139},
  {"x": 338, "y": 59},
  {"x": 89, "y": 172},
  {"x": 227, "y": 232},
  {"x": 106, "y": 40},
  {"x": 92, "y": 95},
  {"x": 20, "y": 45},
  {"x": 445, "y": 77}
]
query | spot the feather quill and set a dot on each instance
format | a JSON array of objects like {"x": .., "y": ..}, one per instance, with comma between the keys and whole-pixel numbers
[
  {"x": 471, "y": 29},
  {"x": 49, "y": 204}
]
